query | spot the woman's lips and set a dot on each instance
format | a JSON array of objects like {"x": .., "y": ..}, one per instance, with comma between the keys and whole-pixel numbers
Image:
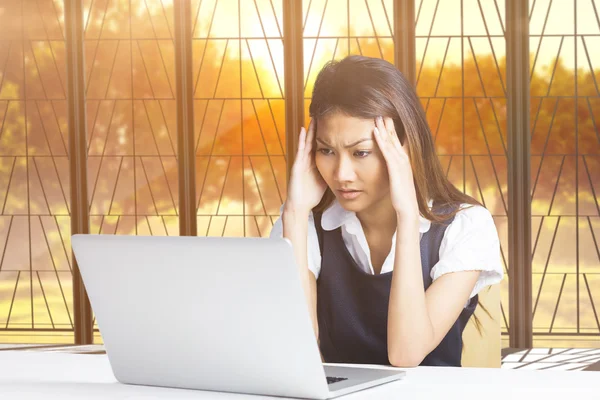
[{"x": 349, "y": 195}]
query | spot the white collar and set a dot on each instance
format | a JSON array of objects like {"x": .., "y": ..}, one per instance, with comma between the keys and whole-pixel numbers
[{"x": 336, "y": 215}]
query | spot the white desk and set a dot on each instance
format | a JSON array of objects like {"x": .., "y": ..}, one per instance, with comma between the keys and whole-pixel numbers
[{"x": 46, "y": 375}]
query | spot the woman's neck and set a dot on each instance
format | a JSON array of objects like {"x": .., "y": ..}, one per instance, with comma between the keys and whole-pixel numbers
[{"x": 379, "y": 219}]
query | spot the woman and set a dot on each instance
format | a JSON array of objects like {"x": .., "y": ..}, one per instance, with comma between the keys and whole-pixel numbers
[{"x": 396, "y": 253}]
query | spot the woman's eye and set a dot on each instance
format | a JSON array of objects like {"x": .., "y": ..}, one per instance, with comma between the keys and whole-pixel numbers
[
  {"x": 324, "y": 151},
  {"x": 363, "y": 153}
]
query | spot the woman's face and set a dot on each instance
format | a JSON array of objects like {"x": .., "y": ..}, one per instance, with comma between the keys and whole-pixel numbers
[{"x": 348, "y": 158}]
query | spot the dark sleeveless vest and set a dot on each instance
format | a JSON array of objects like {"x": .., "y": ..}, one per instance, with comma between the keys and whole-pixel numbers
[{"x": 352, "y": 305}]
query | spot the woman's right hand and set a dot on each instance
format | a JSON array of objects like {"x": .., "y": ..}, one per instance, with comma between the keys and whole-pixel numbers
[{"x": 306, "y": 187}]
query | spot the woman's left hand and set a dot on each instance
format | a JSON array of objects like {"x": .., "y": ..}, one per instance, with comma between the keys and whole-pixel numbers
[{"x": 402, "y": 186}]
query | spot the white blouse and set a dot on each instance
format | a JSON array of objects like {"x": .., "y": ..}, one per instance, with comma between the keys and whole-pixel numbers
[{"x": 470, "y": 243}]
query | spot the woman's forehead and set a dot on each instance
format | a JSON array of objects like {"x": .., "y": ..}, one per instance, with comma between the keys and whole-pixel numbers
[{"x": 341, "y": 125}]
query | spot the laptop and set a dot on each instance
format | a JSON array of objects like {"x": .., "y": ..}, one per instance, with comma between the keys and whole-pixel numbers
[{"x": 210, "y": 313}]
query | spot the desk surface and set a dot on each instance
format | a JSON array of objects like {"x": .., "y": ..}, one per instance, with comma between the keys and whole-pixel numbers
[{"x": 29, "y": 375}]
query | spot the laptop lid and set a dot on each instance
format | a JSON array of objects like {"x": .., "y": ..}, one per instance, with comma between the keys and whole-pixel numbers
[{"x": 225, "y": 314}]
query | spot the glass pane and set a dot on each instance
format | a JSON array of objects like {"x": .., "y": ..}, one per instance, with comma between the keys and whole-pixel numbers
[
  {"x": 336, "y": 29},
  {"x": 131, "y": 118},
  {"x": 35, "y": 257},
  {"x": 565, "y": 171},
  {"x": 239, "y": 116}
]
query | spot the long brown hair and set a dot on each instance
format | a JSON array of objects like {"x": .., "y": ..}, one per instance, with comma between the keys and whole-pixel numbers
[{"x": 365, "y": 87}]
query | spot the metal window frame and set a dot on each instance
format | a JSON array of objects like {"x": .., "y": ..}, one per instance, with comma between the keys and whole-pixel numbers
[
  {"x": 186, "y": 155},
  {"x": 404, "y": 39},
  {"x": 293, "y": 54},
  {"x": 519, "y": 166},
  {"x": 80, "y": 220}
]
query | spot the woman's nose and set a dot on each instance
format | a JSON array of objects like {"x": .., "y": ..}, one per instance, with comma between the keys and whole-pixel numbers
[{"x": 344, "y": 170}]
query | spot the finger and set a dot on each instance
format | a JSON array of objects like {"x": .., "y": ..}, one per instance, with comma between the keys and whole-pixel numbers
[
  {"x": 389, "y": 125},
  {"x": 391, "y": 128},
  {"x": 381, "y": 126},
  {"x": 383, "y": 135},
  {"x": 301, "y": 140},
  {"x": 387, "y": 136},
  {"x": 382, "y": 143},
  {"x": 389, "y": 154},
  {"x": 310, "y": 136},
  {"x": 390, "y": 142}
]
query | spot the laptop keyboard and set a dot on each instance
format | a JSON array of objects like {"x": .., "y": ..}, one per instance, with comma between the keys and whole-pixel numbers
[{"x": 333, "y": 379}]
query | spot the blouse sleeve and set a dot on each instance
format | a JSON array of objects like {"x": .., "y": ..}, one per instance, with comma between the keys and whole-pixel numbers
[
  {"x": 471, "y": 243},
  {"x": 312, "y": 243}
]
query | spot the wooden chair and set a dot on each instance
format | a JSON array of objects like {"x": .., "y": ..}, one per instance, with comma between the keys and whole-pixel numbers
[{"x": 483, "y": 350}]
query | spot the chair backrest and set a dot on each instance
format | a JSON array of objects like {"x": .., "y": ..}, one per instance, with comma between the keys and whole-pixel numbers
[{"x": 483, "y": 350}]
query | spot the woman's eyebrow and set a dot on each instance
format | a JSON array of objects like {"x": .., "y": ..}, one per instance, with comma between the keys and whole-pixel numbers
[{"x": 348, "y": 145}]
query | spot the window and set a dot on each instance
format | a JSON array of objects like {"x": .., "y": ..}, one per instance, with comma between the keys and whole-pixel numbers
[{"x": 240, "y": 137}]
